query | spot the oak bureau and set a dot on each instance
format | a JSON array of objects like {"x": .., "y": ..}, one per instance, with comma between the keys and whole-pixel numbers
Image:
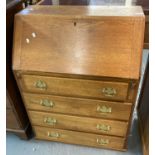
[{"x": 78, "y": 70}]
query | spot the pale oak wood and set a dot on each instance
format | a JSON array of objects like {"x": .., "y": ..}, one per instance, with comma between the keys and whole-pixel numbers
[
  {"x": 75, "y": 87},
  {"x": 93, "y": 46},
  {"x": 78, "y": 106},
  {"x": 81, "y": 138},
  {"x": 85, "y": 124},
  {"x": 84, "y": 11},
  {"x": 132, "y": 84},
  {"x": 87, "y": 48}
]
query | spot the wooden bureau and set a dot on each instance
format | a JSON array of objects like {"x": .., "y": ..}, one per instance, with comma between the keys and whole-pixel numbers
[{"x": 78, "y": 70}]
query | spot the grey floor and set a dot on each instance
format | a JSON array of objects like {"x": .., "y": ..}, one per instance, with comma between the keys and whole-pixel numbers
[{"x": 16, "y": 146}]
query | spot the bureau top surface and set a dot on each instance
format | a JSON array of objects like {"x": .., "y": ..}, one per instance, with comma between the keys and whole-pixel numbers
[
  {"x": 83, "y": 40},
  {"x": 83, "y": 11}
]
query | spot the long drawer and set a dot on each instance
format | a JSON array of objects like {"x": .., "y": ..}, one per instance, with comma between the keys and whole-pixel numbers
[
  {"x": 75, "y": 87},
  {"x": 78, "y": 106},
  {"x": 85, "y": 124},
  {"x": 81, "y": 138}
]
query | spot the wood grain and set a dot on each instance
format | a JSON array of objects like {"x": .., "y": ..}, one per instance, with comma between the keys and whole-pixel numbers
[
  {"x": 114, "y": 52},
  {"x": 76, "y": 53},
  {"x": 76, "y": 123},
  {"x": 79, "y": 138},
  {"x": 85, "y": 11},
  {"x": 78, "y": 106},
  {"x": 75, "y": 87}
]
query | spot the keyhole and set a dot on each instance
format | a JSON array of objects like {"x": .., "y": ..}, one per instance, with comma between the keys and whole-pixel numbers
[{"x": 74, "y": 23}]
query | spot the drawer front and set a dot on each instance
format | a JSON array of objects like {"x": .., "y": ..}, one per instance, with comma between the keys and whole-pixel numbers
[
  {"x": 75, "y": 87},
  {"x": 11, "y": 121},
  {"x": 85, "y": 124},
  {"x": 77, "y": 106},
  {"x": 79, "y": 138}
]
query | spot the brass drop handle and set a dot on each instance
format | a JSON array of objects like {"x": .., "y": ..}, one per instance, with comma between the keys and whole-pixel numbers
[
  {"x": 104, "y": 109},
  {"x": 103, "y": 127},
  {"x": 44, "y": 102},
  {"x": 50, "y": 121},
  {"x": 40, "y": 84},
  {"x": 109, "y": 92},
  {"x": 102, "y": 141},
  {"x": 53, "y": 135}
]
